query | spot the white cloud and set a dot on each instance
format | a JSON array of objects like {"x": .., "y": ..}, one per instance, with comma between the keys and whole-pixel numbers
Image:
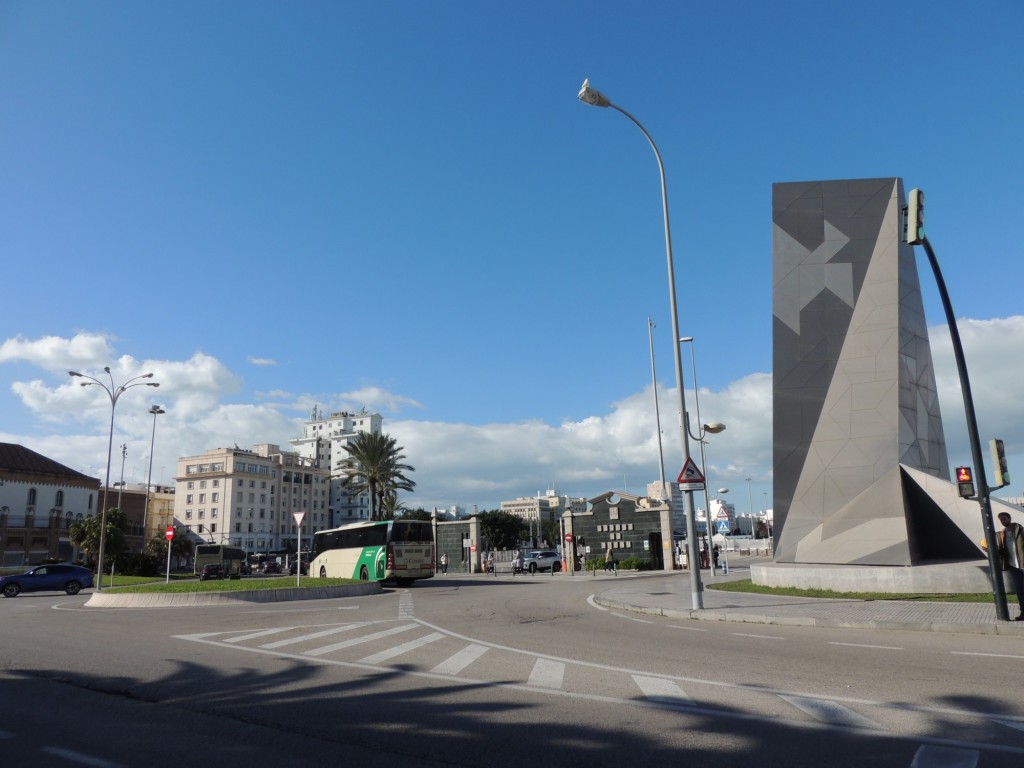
[
  {"x": 262, "y": 361},
  {"x": 55, "y": 354},
  {"x": 469, "y": 464}
]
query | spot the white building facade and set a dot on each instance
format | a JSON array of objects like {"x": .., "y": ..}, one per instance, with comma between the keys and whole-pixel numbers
[
  {"x": 249, "y": 498},
  {"x": 323, "y": 441}
]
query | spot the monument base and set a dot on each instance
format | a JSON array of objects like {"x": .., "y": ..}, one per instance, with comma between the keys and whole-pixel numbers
[{"x": 961, "y": 577}]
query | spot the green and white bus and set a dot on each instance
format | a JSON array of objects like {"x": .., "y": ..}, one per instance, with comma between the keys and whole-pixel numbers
[{"x": 382, "y": 550}]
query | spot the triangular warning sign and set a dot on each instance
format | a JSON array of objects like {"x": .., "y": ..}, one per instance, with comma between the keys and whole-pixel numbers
[{"x": 690, "y": 473}]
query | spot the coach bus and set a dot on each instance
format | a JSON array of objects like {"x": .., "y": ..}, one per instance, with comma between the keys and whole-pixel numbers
[
  {"x": 231, "y": 558},
  {"x": 381, "y": 550}
]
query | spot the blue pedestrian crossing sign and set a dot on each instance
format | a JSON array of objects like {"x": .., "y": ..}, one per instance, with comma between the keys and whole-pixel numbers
[{"x": 723, "y": 526}]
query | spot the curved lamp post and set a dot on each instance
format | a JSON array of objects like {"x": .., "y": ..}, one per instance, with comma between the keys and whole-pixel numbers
[
  {"x": 595, "y": 98},
  {"x": 156, "y": 410},
  {"x": 113, "y": 392}
]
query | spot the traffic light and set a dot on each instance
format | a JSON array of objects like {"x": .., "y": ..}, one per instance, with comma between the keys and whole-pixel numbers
[
  {"x": 999, "y": 461},
  {"x": 965, "y": 482},
  {"x": 913, "y": 220}
]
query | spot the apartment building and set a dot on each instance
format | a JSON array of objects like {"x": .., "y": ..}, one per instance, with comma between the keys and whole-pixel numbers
[
  {"x": 323, "y": 441},
  {"x": 546, "y": 507},
  {"x": 250, "y": 498}
]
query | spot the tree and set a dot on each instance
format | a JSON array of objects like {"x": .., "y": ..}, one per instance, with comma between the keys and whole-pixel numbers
[
  {"x": 416, "y": 514},
  {"x": 502, "y": 530},
  {"x": 374, "y": 465},
  {"x": 391, "y": 507},
  {"x": 85, "y": 534}
]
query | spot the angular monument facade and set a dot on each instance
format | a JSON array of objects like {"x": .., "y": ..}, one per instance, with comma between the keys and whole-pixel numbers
[{"x": 860, "y": 468}]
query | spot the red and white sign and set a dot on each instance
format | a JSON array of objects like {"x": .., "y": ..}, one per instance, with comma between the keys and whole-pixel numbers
[
  {"x": 690, "y": 478},
  {"x": 568, "y": 538},
  {"x": 170, "y": 533},
  {"x": 298, "y": 517}
]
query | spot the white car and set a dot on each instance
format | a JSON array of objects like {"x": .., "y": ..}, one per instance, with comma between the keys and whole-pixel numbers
[{"x": 542, "y": 560}]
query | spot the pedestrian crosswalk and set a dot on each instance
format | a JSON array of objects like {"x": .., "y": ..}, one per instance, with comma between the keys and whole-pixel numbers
[{"x": 413, "y": 647}]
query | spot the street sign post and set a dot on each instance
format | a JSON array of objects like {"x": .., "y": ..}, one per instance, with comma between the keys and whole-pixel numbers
[
  {"x": 169, "y": 535},
  {"x": 690, "y": 478},
  {"x": 298, "y": 545}
]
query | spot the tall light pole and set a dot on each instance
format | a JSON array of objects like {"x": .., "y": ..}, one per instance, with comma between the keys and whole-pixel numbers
[
  {"x": 703, "y": 430},
  {"x": 120, "y": 484},
  {"x": 657, "y": 410},
  {"x": 113, "y": 392},
  {"x": 156, "y": 410},
  {"x": 750, "y": 511},
  {"x": 595, "y": 98}
]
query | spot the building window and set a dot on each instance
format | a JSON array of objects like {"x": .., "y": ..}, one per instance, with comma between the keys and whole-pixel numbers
[
  {"x": 59, "y": 500},
  {"x": 31, "y": 497}
]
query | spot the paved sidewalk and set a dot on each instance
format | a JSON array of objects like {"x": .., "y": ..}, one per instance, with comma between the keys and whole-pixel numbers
[{"x": 669, "y": 595}]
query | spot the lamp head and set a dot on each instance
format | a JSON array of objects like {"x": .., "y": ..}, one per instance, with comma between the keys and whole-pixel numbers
[
  {"x": 106, "y": 368},
  {"x": 74, "y": 373},
  {"x": 714, "y": 427},
  {"x": 723, "y": 490},
  {"x": 592, "y": 96},
  {"x": 157, "y": 410},
  {"x": 685, "y": 339}
]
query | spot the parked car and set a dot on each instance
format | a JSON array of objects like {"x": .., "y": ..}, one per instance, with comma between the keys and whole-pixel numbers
[
  {"x": 47, "y": 578},
  {"x": 211, "y": 571},
  {"x": 305, "y": 568},
  {"x": 542, "y": 560},
  {"x": 272, "y": 566}
]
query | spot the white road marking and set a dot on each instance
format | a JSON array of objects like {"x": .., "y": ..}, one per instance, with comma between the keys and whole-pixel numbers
[
  {"x": 830, "y": 712},
  {"x": 688, "y": 629},
  {"x": 405, "y": 609},
  {"x": 660, "y": 690},
  {"x": 930, "y": 756},
  {"x": 990, "y": 655},
  {"x": 314, "y": 635},
  {"x": 459, "y": 661},
  {"x": 759, "y": 637},
  {"x": 547, "y": 674},
  {"x": 863, "y": 645},
  {"x": 399, "y": 650},
  {"x": 254, "y": 635},
  {"x": 78, "y": 757},
  {"x": 358, "y": 640}
]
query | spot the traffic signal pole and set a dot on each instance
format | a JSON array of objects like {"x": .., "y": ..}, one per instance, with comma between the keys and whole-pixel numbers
[{"x": 998, "y": 591}]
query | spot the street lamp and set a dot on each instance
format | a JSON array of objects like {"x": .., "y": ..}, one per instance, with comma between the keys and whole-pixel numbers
[
  {"x": 113, "y": 392},
  {"x": 657, "y": 410},
  {"x": 595, "y": 98},
  {"x": 156, "y": 410},
  {"x": 703, "y": 430}
]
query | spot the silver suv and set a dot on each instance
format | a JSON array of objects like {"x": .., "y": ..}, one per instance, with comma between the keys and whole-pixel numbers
[{"x": 542, "y": 560}]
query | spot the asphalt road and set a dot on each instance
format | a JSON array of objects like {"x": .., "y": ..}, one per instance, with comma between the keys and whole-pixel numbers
[{"x": 490, "y": 672}]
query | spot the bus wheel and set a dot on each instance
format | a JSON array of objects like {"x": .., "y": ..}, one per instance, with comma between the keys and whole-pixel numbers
[
  {"x": 323, "y": 571},
  {"x": 364, "y": 574}
]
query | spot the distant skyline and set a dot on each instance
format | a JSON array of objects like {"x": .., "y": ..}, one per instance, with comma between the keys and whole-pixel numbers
[{"x": 403, "y": 207}]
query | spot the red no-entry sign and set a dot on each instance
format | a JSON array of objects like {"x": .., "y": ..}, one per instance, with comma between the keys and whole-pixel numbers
[
  {"x": 568, "y": 538},
  {"x": 170, "y": 533}
]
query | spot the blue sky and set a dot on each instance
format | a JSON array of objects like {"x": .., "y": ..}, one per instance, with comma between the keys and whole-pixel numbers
[{"x": 402, "y": 206}]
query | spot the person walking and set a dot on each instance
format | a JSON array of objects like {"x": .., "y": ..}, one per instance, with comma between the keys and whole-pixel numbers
[
  {"x": 490, "y": 562},
  {"x": 1010, "y": 542},
  {"x": 444, "y": 563},
  {"x": 609, "y": 561}
]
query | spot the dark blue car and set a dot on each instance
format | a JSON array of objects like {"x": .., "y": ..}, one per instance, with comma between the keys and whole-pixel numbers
[{"x": 47, "y": 578}]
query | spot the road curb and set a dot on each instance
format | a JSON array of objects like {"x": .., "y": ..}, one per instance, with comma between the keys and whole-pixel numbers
[
  {"x": 1015, "y": 629},
  {"x": 113, "y": 599}
]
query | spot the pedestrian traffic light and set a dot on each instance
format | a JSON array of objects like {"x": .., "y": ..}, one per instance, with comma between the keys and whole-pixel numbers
[
  {"x": 913, "y": 218},
  {"x": 999, "y": 460},
  {"x": 965, "y": 482}
]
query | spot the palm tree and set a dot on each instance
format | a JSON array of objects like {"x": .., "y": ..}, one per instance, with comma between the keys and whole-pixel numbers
[{"x": 374, "y": 466}]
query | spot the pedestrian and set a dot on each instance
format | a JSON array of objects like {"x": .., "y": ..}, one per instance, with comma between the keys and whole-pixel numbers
[
  {"x": 609, "y": 561},
  {"x": 444, "y": 563},
  {"x": 1010, "y": 543},
  {"x": 490, "y": 561},
  {"x": 704, "y": 563},
  {"x": 517, "y": 562}
]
